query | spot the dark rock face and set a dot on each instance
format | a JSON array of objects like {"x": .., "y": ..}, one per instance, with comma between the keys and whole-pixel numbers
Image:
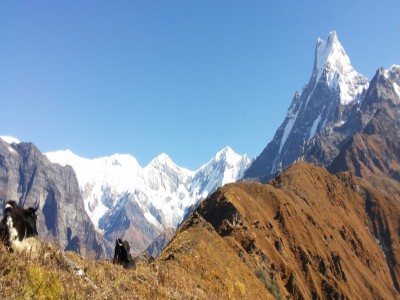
[
  {"x": 375, "y": 150},
  {"x": 28, "y": 177},
  {"x": 156, "y": 247},
  {"x": 375, "y": 117}
]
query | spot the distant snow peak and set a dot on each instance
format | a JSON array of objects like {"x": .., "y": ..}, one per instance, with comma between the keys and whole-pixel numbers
[
  {"x": 63, "y": 157},
  {"x": 162, "y": 190},
  {"x": 226, "y": 154},
  {"x": 9, "y": 139},
  {"x": 231, "y": 160},
  {"x": 394, "y": 75},
  {"x": 395, "y": 68},
  {"x": 162, "y": 159}
]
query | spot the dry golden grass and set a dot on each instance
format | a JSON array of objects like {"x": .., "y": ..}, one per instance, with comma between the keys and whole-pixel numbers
[
  {"x": 52, "y": 277},
  {"x": 44, "y": 277}
]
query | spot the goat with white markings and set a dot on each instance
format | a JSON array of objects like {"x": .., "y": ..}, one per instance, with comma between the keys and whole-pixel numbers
[
  {"x": 18, "y": 228},
  {"x": 18, "y": 232}
]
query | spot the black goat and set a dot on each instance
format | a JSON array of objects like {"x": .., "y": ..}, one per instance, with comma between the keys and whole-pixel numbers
[{"x": 122, "y": 255}]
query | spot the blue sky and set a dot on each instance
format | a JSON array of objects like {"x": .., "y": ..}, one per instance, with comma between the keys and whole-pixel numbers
[{"x": 186, "y": 78}]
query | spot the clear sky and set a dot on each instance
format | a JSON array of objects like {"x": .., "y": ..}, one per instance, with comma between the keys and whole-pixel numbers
[{"x": 186, "y": 78}]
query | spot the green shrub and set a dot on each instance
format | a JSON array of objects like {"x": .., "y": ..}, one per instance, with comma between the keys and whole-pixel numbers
[{"x": 271, "y": 285}]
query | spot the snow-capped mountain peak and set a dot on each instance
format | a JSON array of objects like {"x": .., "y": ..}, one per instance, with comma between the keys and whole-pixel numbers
[
  {"x": 63, "y": 157},
  {"x": 333, "y": 66},
  {"x": 226, "y": 156},
  {"x": 9, "y": 139},
  {"x": 330, "y": 54},
  {"x": 224, "y": 153},
  {"x": 326, "y": 100},
  {"x": 226, "y": 166},
  {"x": 162, "y": 160},
  {"x": 393, "y": 75}
]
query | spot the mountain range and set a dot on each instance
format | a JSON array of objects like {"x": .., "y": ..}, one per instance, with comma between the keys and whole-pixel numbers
[
  {"x": 314, "y": 216},
  {"x": 127, "y": 201},
  {"x": 118, "y": 198},
  {"x": 338, "y": 114}
]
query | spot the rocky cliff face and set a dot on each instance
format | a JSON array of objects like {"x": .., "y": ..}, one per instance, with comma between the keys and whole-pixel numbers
[
  {"x": 160, "y": 242},
  {"x": 29, "y": 178},
  {"x": 127, "y": 221},
  {"x": 306, "y": 234},
  {"x": 373, "y": 148}
]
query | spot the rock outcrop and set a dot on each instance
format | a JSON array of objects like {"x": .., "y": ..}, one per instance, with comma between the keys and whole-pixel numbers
[
  {"x": 160, "y": 242},
  {"x": 29, "y": 178}
]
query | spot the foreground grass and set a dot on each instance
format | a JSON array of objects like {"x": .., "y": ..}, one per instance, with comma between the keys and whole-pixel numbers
[{"x": 49, "y": 276}]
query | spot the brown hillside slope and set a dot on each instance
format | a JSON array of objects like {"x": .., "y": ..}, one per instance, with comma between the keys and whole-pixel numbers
[{"x": 306, "y": 234}]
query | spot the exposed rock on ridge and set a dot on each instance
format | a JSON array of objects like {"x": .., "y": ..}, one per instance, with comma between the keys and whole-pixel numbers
[{"x": 159, "y": 243}]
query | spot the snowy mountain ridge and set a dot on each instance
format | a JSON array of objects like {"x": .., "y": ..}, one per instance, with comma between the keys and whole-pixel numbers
[{"x": 162, "y": 189}]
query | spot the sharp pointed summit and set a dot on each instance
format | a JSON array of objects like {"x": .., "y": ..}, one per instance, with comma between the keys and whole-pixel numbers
[
  {"x": 329, "y": 54},
  {"x": 332, "y": 66},
  {"x": 162, "y": 160},
  {"x": 333, "y": 88}
]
